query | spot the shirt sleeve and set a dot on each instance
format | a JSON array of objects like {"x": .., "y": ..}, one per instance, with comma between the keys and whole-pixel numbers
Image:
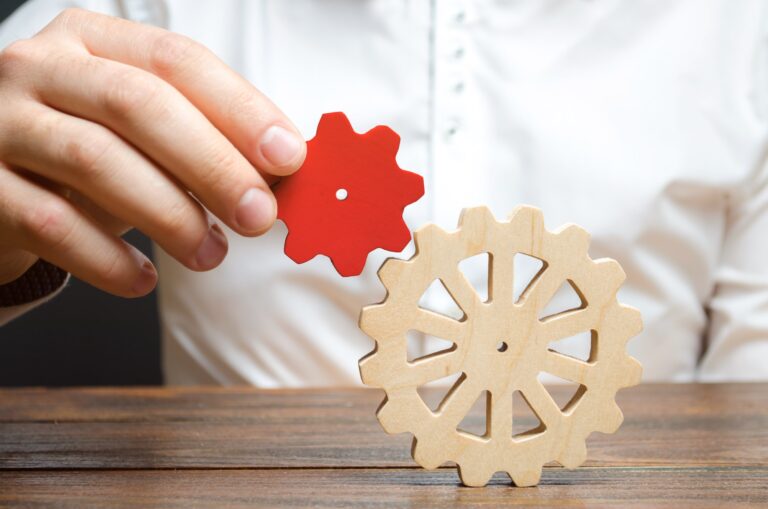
[{"x": 38, "y": 284}]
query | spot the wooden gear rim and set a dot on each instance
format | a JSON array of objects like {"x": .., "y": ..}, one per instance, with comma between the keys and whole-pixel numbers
[{"x": 565, "y": 257}]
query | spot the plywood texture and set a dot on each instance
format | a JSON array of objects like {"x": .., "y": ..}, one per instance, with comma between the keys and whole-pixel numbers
[{"x": 500, "y": 346}]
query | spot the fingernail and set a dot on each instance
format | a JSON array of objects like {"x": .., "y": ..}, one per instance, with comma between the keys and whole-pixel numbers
[
  {"x": 146, "y": 280},
  {"x": 255, "y": 211},
  {"x": 212, "y": 249},
  {"x": 280, "y": 146}
]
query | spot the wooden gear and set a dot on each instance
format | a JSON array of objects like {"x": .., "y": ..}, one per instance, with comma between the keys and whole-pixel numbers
[{"x": 483, "y": 367}]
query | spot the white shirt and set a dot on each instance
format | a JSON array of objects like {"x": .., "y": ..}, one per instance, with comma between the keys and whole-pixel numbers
[{"x": 643, "y": 121}]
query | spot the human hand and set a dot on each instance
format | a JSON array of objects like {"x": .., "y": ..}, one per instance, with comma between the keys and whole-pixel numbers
[{"x": 108, "y": 125}]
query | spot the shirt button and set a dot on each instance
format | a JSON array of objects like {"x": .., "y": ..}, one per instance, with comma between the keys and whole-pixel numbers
[
  {"x": 458, "y": 87},
  {"x": 458, "y": 53},
  {"x": 460, "y": 17},
  {"x": 451, "y": 131}
]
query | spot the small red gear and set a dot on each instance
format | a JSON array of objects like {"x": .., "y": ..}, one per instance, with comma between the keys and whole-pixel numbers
[{"x": 348, "y": 197}]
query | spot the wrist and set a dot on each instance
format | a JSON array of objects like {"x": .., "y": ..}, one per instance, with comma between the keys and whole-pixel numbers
[{"x": 38, "y": 281}]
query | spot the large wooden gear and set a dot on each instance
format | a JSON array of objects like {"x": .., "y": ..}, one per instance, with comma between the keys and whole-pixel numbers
[{"x": 476, "y": 356}]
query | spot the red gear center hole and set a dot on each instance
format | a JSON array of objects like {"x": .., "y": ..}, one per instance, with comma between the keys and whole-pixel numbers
[{"x": 341, "y": 194}]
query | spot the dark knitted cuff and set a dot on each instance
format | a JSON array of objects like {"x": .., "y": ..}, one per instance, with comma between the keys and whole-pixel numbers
[{"x": 40, "y": 280}]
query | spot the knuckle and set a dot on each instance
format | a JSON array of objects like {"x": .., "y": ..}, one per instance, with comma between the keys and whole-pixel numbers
[
  {"x": 13, "y": 130},
  {"x": 222, "y": 166},
  {"x": 251, "y": 109},
  {"x": 177, "y": 219},
  {"x": 87, "y": 154},
  {"x": 50, "y": 222},
  {"x": 69, "y": 16},
  {"x": 169, "y": 53},
  {"x": 17, "y": 55},
  {"x": 112, "y": 269},
  {"x": 30, "y": 128},
  {"x": 244, "y": 102},
  {"x": 129, "y": 91}
]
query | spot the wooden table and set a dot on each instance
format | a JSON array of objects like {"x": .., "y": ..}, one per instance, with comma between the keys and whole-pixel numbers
[{"x": 680, "y": 445}]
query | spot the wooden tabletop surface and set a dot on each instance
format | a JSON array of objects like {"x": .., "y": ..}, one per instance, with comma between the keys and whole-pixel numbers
[{"x": 680, "y": 445}]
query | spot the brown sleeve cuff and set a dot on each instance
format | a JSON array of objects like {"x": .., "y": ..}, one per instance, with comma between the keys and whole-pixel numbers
[{"x": 40, "y": 280}]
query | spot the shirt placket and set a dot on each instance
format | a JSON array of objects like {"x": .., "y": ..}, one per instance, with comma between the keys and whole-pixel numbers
[{"x": 451, "y": 54}]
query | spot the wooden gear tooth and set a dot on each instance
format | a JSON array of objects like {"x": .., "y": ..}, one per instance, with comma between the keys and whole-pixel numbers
[
  {"x": 391, "y": 420},
  {"x": 474, "y": 477},
  {"x": 476, "y": 217},
  {"x": 576, "y": 236},
  {"x": 634, "y": 371},
  {"x": 610, "y": 272},
  {"x": 611, "y": 419},
  {"x": 483, "y": 366},
  {"x": 632, "y": 319},
  {"x": 574, "y": 456},
  {"x": 527, "y": 214},
  {"x": 527, "y": 477},
  {"x": 427, "y": 454},
  {"x": 530, "y": 220},
  {"x": 390, "y": 271},
  {"x": 372, "y": 317},
  {"x": 425, "y": 235}
]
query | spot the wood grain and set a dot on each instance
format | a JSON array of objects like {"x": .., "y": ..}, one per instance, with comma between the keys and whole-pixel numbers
[
  {"x": 500, "y": 346},
  {"x": 701, "y": 487},
  {"x": 680, "y": 445},
  {"x": 664, "y": 425}
]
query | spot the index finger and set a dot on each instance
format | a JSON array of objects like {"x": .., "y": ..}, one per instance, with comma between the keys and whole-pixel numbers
[{"x": 254, "y": 125}]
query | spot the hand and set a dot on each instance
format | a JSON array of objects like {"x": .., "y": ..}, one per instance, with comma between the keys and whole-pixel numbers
[{"x": 108, "y": 124}]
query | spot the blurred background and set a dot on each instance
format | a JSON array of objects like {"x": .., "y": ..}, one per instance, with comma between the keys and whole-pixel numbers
[{"x": 85, "y": 336}]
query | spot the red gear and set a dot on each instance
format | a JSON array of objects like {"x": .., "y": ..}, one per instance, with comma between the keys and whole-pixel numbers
[{"x": 371, "y": 215}]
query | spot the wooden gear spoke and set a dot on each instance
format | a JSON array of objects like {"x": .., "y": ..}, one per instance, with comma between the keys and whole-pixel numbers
[
  {"x": 501, "y": 277},
  {"x": 500, "y": 369},
  {"x": 501, "y": 415},
  {"x": 567, "y": 367},
  {"x": 565, "y": 324},
  {"x": 441, "y": 326},
  {"x": 431, "y": 368},
  {"x": 541, "y": 289},
  {"x": 541, "y": 403},
  {"x": 457, "y": 403},
  {"x": 461, "y": 290}
]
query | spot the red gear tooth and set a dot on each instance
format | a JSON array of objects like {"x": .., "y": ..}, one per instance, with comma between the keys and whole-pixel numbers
[
  {"x": 371, "y": 215},
  {"x": 384, "y": 136},
  {"x": 400, "y": 240},
  {"x": 297, "y": 250},
  {"x": 333, "y": 124},
  {"x": 411, "y": 183},
  {"x": 349, "y": 267}
]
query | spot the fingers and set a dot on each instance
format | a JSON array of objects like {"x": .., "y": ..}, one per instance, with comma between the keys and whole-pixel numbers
[
  {"x": 145, "y": 118},
  {"x": 37, "y": 220},
  {"x": 121, "y": 182},
  {"x": 159, "y": 121},
  {"x": 14, "y": 263},
  {"x": 244, "y": 115}
]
